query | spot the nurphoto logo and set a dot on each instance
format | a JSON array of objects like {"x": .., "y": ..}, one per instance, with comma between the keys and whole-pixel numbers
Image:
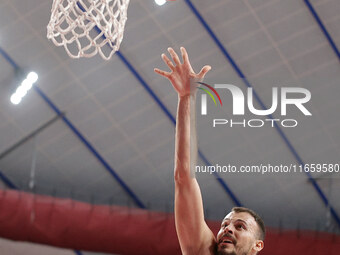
[{"x": 289, "y": 96}]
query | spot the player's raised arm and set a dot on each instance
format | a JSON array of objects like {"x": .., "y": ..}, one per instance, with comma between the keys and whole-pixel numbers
[{"x": 194, "y": 235}]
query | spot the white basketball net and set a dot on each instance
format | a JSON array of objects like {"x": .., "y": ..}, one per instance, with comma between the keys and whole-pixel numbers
[{"x": 86, "y": 27}]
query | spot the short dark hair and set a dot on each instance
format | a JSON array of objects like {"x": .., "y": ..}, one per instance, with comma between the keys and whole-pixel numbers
[{"x": 258, "y": 219}]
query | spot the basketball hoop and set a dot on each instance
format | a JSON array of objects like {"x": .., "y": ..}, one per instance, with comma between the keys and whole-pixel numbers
[{"x": 86, "y": 27}]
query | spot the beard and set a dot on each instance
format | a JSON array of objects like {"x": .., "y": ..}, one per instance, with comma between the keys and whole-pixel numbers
[
  {"x": 229, "y": 253},
  {"x": 221, "y": 252},
  {"x": 224, "y": 252}
]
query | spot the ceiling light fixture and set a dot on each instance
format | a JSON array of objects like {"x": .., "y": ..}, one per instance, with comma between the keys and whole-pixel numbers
[
  {"x": 24, "y": 87},
  {"x": 160, "y": 2}
]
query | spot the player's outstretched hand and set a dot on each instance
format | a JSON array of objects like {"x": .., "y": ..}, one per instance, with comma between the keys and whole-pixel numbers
[{"x": 182, "y": 76}]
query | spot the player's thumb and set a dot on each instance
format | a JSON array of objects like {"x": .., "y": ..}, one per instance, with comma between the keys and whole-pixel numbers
[{"x": 204, "y": 71}]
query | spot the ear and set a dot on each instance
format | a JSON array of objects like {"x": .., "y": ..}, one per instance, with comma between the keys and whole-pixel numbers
[{"x": 259, "y": 245}]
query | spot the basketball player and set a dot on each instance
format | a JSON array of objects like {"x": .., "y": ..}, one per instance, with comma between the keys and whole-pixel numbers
[{"x": 242, "y": 230}]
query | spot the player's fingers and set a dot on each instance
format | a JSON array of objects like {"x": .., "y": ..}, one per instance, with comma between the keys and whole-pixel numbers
[
  {"x": 185, "y": 56},
  {"x": 174, "y": 56},
  {"x": 186, "y": 60},
  {"x": 161, "y": 72},
  {"x": 204, "y": 71},
  {"x": 168, "y": 62}
]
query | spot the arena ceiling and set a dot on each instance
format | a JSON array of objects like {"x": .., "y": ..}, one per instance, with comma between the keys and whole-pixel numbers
[{"x": 101, "y": 137}]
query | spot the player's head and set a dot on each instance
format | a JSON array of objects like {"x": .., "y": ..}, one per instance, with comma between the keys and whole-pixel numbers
[{"x": 242, "y": 233}]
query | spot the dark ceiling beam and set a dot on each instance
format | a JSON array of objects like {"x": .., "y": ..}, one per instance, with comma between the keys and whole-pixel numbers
[
  {"x": 323, "y": 28},
  {"x": 29, "y": 136},
  {"x": 7, "y": 181}
]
